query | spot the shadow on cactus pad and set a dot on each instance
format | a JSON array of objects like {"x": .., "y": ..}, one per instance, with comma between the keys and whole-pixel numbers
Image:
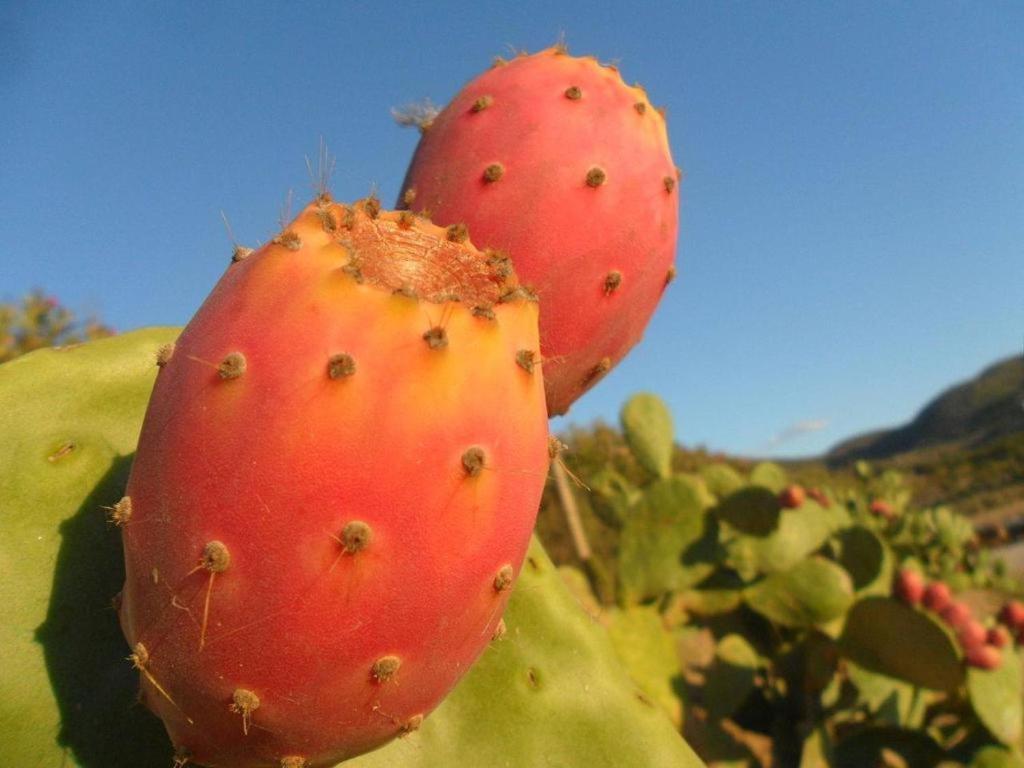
[{"x": 102, "y": 721}]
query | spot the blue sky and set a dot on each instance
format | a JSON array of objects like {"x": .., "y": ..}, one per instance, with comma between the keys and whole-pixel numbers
[{"x": 852, "y": 232}]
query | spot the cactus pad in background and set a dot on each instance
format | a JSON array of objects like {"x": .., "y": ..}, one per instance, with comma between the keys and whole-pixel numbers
[
  {"x": 554, "y": 160},
  {"x": 68, "y": 693},
  {"x": 648, "y": 429}
]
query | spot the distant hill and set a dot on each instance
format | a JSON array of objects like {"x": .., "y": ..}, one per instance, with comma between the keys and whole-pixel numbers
[{"x": 968, "y": 415}]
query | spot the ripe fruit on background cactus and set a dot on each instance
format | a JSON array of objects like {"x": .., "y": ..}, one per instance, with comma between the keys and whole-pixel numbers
[
  {"x": 972, "y": 633},
  {"x": 983, "y": 657},
  {"x": 792, "y": 497},
  {"x": 956, "y": 615},
  {"x": 997, "y": 637},
  {"x": 936, "y": 596},
  {"x": 334, "y": 489},
  {"x": 909, "y": 586},
  {"x": 555, "y": 161},
  {"x": 1012, "y": 615},
  {"x": 882, "y": 509}
]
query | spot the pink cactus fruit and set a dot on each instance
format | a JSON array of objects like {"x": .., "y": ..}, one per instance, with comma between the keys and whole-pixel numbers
[
  {"x": 971, "y": 633},
  {"x": 555, "y": 161},
  {"x": 936, "y": 596},
  {"x": 882, "y": 508},
  {"x": 334, "y": 489},
  {"x": 956, "y": 615},
  {"x": 792, "y": 497},
  {"x": 997, "y": 637},
  {"x": 908, "y": 586},
  {"x": 819, "y": 496},
  {"x": 983, "y": 657},
  {"x": 1012, "y": 615}
]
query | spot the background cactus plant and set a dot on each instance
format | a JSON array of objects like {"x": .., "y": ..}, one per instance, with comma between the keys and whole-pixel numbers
[{"x": 806, "y": 623}]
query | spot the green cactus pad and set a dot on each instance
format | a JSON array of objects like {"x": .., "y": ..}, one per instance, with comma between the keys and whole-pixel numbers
[
  {"x": 996, "y": 757},
  {"x": 887, "y": 637},
  {"x": 866, "y": 558},
  {"x": 799, "y": 533},
  {"x": 669, "y": 541},
  {"x": 550, "y": 692},
  {"x": 769, "y": 475},
  {"x": 997, "y": 697},
  {"x": 612, "y": 496},
  {"x": 71, "y": 420},
  {"x": 813, "y": 593},
  {"x": 649, "y": 655},
  {"x": 647, "y": 425},
  {"x": 721, "y": 479},
  {"x": 730, "y": 679}
]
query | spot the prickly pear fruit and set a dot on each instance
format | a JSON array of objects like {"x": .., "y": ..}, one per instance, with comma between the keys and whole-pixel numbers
[
  {"x": 997, "y": 637},
  {"x": 972, "y": 633},
  {"x": 983, "y": 657},
  {"x": 936, "y": 596},
  {"x": 956, "y": 615},
  {"x": 334, "y": 490},
  {"x": 882, "y": 508},
  {"x": 555, "y": 161},
  {"x": 1012, "y": 615},
  {"x": 792, "y": 497},
  {"x": 909, "y": 586}
]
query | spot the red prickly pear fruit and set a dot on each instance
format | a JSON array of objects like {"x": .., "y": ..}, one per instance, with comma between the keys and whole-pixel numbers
[
  {"x": 585, "y": 202},
  {"x": 1012, "y": 615},
  {"x": 972, "y": 633},
  {"x": 983, "y": 657},
  {"x": 819, "y": 496},
  {"x": 334, "y": 489},
  {"x": 909, "y": 586},
  {"x": 882, "y": 509},
  {"x": 936, "y": 596},
  {"x": 956, "y": 615},
  {"x": 997, "y": 637},
  {"x": 792, "y": 497}
]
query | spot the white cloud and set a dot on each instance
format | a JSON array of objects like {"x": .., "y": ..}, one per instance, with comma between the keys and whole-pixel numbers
[{"x": 799, "y": 429}]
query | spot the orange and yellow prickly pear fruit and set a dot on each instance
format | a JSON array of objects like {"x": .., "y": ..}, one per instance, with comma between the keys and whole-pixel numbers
[{"x": 334, "y": 489}]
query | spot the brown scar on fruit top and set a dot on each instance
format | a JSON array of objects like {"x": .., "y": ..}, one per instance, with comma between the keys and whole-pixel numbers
[
  {"x": 473, "y": 460},
  {"x": 244, "y": 702},
  {"x": 670, "y": 275},
  {"x": 406, "y": 220},
  {"x": 482, "y": 103},
  {"x": 573, "y": 93},
  {"x": 458, "y": 233},
  {"x": 385, "y": 668},
  {"x": 425, "y": 259},
  {"x": 669, "y": 183},
  {"x": 240, "y": 253},
  {"x": 409, "y": 196},
  {"x": 640, "y": 107},
  {"x": 61, "y": 452}
]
